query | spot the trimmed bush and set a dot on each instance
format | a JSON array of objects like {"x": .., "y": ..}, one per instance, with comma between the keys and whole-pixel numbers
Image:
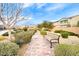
[
  {"x": 58, "y": 31},
  {"x": 8, "y": 49},
  {"x": 64, "y": 35},
  {"x": 66, "y": 50},
  {"x": 2, "y": 38},
  {"x": 43, "y": 32}
]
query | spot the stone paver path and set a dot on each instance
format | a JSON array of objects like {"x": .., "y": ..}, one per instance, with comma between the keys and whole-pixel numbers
[{"x": 38, "y": 46}]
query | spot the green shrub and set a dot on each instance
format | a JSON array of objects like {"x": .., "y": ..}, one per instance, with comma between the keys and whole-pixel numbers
[
  {"x": 66, "y": 50},
  {"x": 25, "y": 28},
  {"x": 58, "y": 31},
  {"x": 73, "y": 34},
  {"x": 43, "y": 32},
  {"x": 17, "y": 31},
  {"x": 46, "y": 29},
  {"x": 8, "y": 49},
  {"x": 65, "y": 34},
  {"x": 23, "y": 37},
  {"x": 46, "y": 24}
]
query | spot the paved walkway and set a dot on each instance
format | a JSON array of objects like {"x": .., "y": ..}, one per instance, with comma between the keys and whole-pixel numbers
[{"x": 38, "y": 46}]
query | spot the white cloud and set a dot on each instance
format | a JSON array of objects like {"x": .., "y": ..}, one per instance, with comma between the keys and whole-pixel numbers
[
  {"x": 23, "y": 18},
  {"x": 25, "y": 5},
  {"x": 52, "y": 20},
  {"x": 56, "y": 7},
  {"x": 39, "y": 5}
]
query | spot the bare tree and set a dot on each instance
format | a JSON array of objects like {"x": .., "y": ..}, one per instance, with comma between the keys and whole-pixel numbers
[{"x": 10, "y": 14}]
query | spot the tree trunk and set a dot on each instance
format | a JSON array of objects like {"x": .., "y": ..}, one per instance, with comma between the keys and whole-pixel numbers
[{"x": 9, "y": 34}]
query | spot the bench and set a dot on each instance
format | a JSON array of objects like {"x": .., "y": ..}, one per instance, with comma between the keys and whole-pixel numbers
[
  {"x": 53, "y": 38},
  {"x": 54, "y": 41}
]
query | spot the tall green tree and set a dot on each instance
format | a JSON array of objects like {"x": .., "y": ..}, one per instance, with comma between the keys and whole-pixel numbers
[{"x": 46, "y": 24}]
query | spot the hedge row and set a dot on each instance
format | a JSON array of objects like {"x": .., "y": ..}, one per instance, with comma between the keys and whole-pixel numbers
[{"x": 65, "y": 34}]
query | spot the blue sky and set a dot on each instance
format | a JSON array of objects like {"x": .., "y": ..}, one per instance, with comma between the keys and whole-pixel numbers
[{"x": 39, "y": 12}]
